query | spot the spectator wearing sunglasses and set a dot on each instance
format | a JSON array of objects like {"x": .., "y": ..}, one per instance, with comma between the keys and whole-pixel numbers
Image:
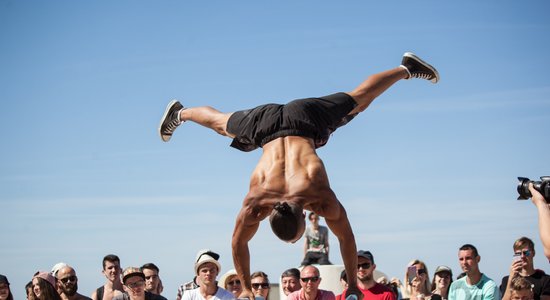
[
  {"x": 417, "y": 284},
  {"x": 310, "y": 280},
  {"x": 231, "y": 282},
  {"x": 260, "y": 284},
  {"x": 371, "y": 289},
  {"x": 475, "y": 285},
  {"x": 522, "y": 267},
  {"x": 133, "y": 281},
  {"x": 67, "y": 284}
]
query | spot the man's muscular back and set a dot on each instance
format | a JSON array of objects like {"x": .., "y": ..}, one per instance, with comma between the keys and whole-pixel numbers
[{"x": 290, "y": 170}]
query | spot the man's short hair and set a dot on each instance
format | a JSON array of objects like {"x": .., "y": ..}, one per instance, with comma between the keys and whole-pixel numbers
[
  {"x": 150, "y": 266},
  {"x": 287, "y": 220},
  {"x": 520, "y": 283},
  {"x": 469, "y": 247},
  {"x": 522, "y": 242},
  {"x": 291, "y": 273},
  {"x": 110, "y": 258}
]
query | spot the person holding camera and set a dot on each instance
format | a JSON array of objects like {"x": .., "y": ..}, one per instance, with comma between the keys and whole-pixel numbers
[
  {"x": 522, "y": 267},
  {"x": 544, "y": 218}
]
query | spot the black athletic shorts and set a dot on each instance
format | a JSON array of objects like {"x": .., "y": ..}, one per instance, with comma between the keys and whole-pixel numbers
[{"x": 315, "y": 118}]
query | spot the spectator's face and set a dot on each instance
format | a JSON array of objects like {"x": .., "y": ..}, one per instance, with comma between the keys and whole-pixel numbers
[
  {"x": 67, "y": 281},
  {"x": 207, "y": 273},
  {"x": 135, "y": 287},
  {"x": 112, "y": 271},
  {"x": 468, "y": 262},
  {"x": 290, "y": 284},
  {"x": 442, "y": 279},
  {"x": 4, "y": 291},
  {"x": 365, "y": 269},
  {"x": 526, "y": 254},
  {"x": 522, "y": 295},
  {"x": 260, "y": 287},
  {"x": 233, "y": 284},
  {"x": 36, "y": 287},
  {"x": 309, "y": 279},
  {"x": 151, "y": 279}
]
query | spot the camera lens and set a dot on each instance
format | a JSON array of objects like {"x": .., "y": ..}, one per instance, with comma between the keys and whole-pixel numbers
[{"x": 523, "y": 188}]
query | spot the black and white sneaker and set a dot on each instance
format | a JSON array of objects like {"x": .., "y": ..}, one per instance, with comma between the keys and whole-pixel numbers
[
  {"x": 170, "y": 120},
  {"x": 417, "y": 68}
]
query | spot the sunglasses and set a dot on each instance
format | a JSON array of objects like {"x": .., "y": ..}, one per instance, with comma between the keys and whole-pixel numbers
[
  {"x": 67, "y": 279},
  {"x": 308, "y": 279},
  {"x": 232, "y": 282},
  {"x": 136, "y": 284},
  {"x": 525, "y": 252},
  {"x": 363, "y": 266},
  {"x": 264, "y": 285},
  {"x": 421, "y": 271}
]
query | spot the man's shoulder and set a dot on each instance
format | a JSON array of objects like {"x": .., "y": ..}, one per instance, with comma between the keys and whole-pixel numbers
[{"x": 151, "y": 296}]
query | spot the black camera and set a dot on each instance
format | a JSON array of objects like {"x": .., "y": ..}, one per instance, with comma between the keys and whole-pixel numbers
[{"x": 542, "y": 187}]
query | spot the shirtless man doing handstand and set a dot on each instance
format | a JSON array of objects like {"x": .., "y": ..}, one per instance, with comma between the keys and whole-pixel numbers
[{"x": 290, "y": 177}]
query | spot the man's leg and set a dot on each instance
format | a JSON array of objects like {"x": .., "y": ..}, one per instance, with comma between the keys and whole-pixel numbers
[
  {"x": 175, "y": 114},
  {"x": 411, "y": 67}
]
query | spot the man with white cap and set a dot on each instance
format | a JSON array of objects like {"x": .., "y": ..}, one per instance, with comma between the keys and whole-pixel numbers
[
  {"x": 193, "y": 284},
  {"x": 207, "y": 269}
]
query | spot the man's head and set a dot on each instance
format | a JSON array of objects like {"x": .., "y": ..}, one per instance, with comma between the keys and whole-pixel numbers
[
  {"x": 287, "y": 221},
  {"x": 525, "y": 248},
  {"x": 152, "y": 280},
  {"x": 67, "y": 281},
  {"x": 207, "y": 267},
  {"x": 365, "y": 266},
  {"x": 133, "y": 281},
  {"x": 111, "y": 267},
  {"x": 314, "y": 219},
  {"x": 310, "y": 280},
  {"x": 290, "y": 281},
  {"x": 521, "y": 289},
  {"x": 469, "y": 258}
]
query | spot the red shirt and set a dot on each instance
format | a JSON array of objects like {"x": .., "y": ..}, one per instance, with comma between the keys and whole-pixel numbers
[{"x": 377, "y": 292}]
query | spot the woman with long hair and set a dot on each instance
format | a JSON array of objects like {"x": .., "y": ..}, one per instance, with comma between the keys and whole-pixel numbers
[{"x": 44, "y": 287}]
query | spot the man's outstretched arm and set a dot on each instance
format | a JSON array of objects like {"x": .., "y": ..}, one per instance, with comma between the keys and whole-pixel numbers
[
  {"x": 245, "y": 228},
  {"x": 339, "y": 225}
]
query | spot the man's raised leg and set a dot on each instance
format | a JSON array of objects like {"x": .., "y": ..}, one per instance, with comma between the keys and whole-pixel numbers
[
  {"x": 175, "y": 114},
  {"x": 411, "y": 67}
]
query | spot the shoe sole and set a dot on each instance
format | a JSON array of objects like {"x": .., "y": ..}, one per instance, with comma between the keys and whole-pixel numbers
[
  {"x": 166, "y": 138},
  {"x": 425, "y": 64}
]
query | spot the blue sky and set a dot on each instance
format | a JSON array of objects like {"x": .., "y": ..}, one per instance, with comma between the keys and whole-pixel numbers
[{"x": 424, "y": 170}]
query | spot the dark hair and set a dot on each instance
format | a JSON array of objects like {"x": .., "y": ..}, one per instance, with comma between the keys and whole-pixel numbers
[
  {"x": 110, "y": 258},
  {"x": 469, "y": 247},
  {"x": 344, "y": 276},
  {"x": 286, "y": 220},
  {"x": 311, "y": 214},
  {"x": 47, "y": 291},
  {"x": 150, "y": 266},
  {"x": 27, "y": 287},
  {"x": 291, "y": 273}
]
